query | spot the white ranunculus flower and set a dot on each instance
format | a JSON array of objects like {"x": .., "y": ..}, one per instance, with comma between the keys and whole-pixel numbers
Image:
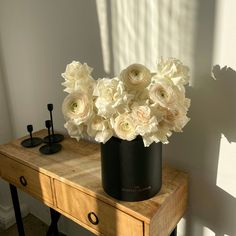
[
  {"x": 136, "y": 77},
  {"x": 110, "y": 95},
  {"x": 164, "y": 92},
  {"x": 141, "y": 97},
  {"x": 77, "y": 76},
  {"x": 124, "y": 127},
  {"x": 173, "y": 69},
  {"x": 100, "y": 129},
  {"x": 77, "y": 106},
  {"x": 144, "y": 120},
  {"x": 74, "y": 130}
]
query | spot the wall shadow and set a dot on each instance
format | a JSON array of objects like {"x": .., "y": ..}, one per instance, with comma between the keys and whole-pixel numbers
[
  {"x": 212, "y": 114},
  {"x": 214, "y": 100}
]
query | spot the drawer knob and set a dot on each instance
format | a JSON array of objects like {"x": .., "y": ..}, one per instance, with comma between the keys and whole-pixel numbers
[
  {"x": 23, "y": 181},
  {"x": 93, "y": 218}
]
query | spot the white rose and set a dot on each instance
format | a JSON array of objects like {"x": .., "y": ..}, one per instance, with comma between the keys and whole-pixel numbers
[
  {"x": 173, "y": 69},
  {"x": 124, "y": 127},
  {"x": 176, "y": 118},
  {"x": 110, "y": 95},
  {"x": 187, "y": 103},
  {"x": 144, "y": 120},
  {"x": 77, "y": 76},
  {"x": 77, "y": 106},
  {"x": 86, "y": 85},
  {"x": 136, "y": 77},
  {"x": 161, "y": 135},
  {"x": 100, "y": 129},
  {"x": 74, "y": 130},
  {"x": 76, "y": 71},
  {"x": 163, "y": 92}
]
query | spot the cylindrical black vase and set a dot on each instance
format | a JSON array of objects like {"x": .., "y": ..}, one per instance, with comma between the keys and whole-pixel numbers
[{"x": 130, "y": 171}]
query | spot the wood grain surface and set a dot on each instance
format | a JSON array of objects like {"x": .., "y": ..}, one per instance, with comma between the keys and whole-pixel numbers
[{"x": 78, "y": 166}]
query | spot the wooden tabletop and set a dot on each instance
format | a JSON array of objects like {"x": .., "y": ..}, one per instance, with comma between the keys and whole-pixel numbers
[{"x": 78, "y": 165}]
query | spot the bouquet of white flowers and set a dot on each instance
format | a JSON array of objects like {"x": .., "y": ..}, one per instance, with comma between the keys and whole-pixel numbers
[{"x": 136, "y": 102}]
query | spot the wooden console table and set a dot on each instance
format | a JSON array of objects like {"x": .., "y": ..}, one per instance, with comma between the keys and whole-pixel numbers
[{"x": 69, "y": 182}]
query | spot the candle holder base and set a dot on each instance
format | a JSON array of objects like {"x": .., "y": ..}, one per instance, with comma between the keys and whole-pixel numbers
[
  {"x": 29, "y": 143},
  {"x": 50, "y": 149}
]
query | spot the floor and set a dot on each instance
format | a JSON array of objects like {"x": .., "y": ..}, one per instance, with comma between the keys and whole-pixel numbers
[{"x": 32, "y": 225}]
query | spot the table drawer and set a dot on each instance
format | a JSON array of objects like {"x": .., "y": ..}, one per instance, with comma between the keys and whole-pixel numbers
[
  {"x": 96, "y": 214},
  {"x": 27, "y": 179}
]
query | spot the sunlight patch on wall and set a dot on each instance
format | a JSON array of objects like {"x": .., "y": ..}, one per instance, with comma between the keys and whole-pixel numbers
[
  {"x": 143, "y": 31},
  {"x": 181, "y": 228},
  {"x": 225, "y": 36},
  {"x": 146, "y": 31},
  {"x": 207, "y": 232},
  {"x": 104, "y": 33},
  {"x": 226, "y": 174}
]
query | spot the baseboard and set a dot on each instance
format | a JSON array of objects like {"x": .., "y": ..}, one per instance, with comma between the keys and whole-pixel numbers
[{"x": 7, "y": 215}]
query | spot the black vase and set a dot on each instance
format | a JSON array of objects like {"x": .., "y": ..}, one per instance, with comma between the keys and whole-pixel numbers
[{"x": 130, "y": 171}]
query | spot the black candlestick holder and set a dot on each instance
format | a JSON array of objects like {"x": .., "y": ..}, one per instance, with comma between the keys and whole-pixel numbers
[
  {"x": 32, "y": 141},
  {"x": 55, "y": 138},
  {"x": 50, "y": 147}
]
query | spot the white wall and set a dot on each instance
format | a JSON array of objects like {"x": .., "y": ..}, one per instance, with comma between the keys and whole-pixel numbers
[
  {"x": 5, "y": 136},
  {"x": 38, "y": 38},
  {"x": 5, "y": 127}
]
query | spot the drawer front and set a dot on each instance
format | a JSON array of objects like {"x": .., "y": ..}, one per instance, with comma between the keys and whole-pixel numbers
[
  {"x": 94, "y": 213},
  {"x": 27, "y": 179}
]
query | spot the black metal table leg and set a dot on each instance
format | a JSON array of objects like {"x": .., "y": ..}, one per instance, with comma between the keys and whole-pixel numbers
[
  {"x": 16, "y": 204},
  {"x": 53, "y": 230},
  {"x": 174, "y": 232}
]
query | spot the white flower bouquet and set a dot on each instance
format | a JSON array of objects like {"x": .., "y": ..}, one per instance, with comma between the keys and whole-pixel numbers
[{"x": 135, "y": 103}]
